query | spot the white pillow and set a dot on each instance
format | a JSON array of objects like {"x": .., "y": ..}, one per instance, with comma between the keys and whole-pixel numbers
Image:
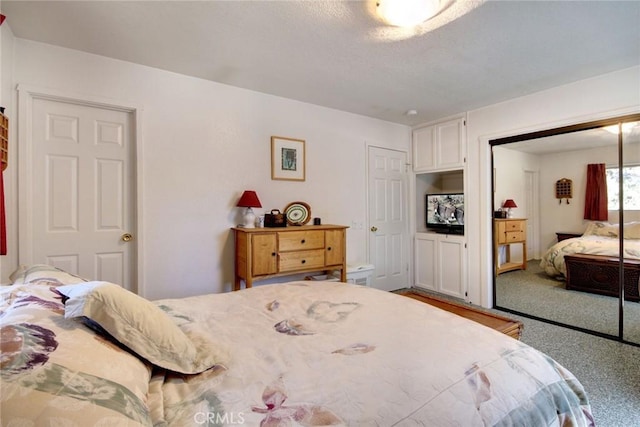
[
  {"x": 631, "y": 230},
  {"x": 141, "y": 326},
  {"x": 603, "y": 229}
]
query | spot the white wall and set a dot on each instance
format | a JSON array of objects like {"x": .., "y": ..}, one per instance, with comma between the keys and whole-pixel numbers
[
  {"x": 603, "y": 96},
  {"x": 203, "y": 144},
  {"x": 7, "y": 42}
]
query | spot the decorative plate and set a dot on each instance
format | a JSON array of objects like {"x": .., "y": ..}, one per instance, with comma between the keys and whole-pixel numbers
[{"x": 297, "y": 213}]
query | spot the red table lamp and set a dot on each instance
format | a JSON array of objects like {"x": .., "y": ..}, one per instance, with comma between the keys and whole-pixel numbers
[
  {"x": 509, "y": 204},
  {"x": 249, "y": 199}
]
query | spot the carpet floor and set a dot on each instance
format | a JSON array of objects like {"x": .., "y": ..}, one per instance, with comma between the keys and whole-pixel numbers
[{"x": 532, "y": 292}]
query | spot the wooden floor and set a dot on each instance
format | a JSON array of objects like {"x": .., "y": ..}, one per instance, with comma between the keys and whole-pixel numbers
[{"x": 503, "y": 324}]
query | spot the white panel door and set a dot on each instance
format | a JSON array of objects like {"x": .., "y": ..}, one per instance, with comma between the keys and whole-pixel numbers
[
  {"x": 388, "y": 238},
  {"x": 82, "y": 190}
]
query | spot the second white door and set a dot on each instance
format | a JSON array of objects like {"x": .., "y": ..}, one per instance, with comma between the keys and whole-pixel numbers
[{"x": 388, "y": 219}]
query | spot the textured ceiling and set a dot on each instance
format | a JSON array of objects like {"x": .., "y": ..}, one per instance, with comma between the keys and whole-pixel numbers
[{"x": 339, "y": 55}]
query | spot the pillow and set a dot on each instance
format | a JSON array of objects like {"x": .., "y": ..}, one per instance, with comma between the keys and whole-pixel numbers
[
  {"x": 631, "y": 230},
  {"x": 603, "y": 229},
  {"x": 42, "y": 274},
  {"x": 141, "y": 326}
]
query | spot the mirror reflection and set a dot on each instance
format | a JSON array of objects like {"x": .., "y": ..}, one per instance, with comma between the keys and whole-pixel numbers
[{"x": 557, "y": 239}]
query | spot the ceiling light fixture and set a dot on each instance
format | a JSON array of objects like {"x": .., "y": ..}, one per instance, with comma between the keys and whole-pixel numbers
[{"x": 407, "y": 13}]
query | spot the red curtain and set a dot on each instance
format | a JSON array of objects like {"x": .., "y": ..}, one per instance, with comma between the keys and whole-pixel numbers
[
  {"x": 3, "y": 224},
  {"x": 595, "y": 203}
]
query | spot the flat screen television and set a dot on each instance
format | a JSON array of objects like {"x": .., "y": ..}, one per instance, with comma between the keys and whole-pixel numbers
[{"x": 445, "y": 213}]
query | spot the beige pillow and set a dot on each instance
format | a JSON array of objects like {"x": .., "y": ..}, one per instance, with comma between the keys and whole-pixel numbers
[
  {"x": 603, "y": 229},
  {"x": 631, "y": 230},
  {"x": 141, "y": 326}
]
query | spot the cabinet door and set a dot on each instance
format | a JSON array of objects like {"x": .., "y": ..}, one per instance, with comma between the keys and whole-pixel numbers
[
  {"x": 424, "y": 149},
  {"x": 440, "y": 146},
  {"x": 334, "y": 243},
  {"x": 451, "y": 266},
  {"x": 263, "y": 254},
  {"x": 425, "y": 262},
  {"x": 450, "y": 144}
]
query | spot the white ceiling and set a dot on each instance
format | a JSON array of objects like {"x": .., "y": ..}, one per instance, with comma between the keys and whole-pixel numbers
[{"x": 339, "y": 55}]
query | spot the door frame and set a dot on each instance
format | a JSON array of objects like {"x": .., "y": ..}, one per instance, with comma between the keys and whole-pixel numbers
[
  {"x": 408, "y": 215},
  {"x": 26, "y": 96}
]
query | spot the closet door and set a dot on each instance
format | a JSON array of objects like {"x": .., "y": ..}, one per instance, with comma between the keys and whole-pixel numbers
[{"x": 630, "y": 214}]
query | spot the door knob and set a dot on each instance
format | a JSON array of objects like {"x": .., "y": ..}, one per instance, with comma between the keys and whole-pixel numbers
[
  {"x": 126, "y": 237},
  {"x": 374, "y": 229}
]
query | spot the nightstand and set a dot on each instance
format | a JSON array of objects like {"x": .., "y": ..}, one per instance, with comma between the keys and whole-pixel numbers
[
  {"x": 507, "y": 232},
  {"x": 563, "y": 235}
]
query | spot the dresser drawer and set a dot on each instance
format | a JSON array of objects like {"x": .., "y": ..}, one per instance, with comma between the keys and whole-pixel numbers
[
  {"x": 292, "y": 261},
  {"x": 300, "y": 240},
  {"x": 514, "y": 225},
  {"x": 514, "y": 236}
]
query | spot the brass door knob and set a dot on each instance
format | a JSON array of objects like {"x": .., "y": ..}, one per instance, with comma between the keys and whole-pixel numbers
[
  {"x": 374, "y": 229},
  {"x": 126, "y": 237}
]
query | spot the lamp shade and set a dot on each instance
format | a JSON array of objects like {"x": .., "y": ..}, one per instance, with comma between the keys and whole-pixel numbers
[
  {"x": 249, "y": 199},
  {"x": 509, "y": 203}
]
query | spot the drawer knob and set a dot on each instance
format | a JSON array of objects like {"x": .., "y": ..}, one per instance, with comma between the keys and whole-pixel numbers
[
  {"x": 302, "y": 241},
  {"x": 304, "y": 260},
  {"x": 273, "y": 254},
  {"x": 329, "y": 248}
]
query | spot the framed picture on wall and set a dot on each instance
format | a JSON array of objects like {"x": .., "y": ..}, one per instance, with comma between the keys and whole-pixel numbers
[{"x": 287, "y": 159}]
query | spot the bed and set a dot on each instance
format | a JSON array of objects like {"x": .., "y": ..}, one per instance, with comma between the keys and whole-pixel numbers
[
  {"x": 589, "y": 262},
  {"x": 77, "y": 352}
]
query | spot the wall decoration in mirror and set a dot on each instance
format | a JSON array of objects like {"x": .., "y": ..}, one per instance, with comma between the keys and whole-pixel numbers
[{"x": 564, "y": 190}]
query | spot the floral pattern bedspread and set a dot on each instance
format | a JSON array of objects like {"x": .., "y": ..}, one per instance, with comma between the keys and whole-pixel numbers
[
  {"x": 302, "y": 354},
  {"x": 327, "y": 353},
  {"x": 552, "y": 261},
  {"x": 56, "y": 371}
]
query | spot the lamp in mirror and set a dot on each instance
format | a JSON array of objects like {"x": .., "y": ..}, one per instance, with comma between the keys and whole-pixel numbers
[
  {"x": 249, "y": 200},
  {"x": 509, "y": 204}
]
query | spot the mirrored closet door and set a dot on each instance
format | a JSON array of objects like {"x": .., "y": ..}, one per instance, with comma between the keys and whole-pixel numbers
[{"x": 549, "y": 261}]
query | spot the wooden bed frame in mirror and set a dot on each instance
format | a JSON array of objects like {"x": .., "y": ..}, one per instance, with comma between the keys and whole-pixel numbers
[{"x": 600, "y": 274}]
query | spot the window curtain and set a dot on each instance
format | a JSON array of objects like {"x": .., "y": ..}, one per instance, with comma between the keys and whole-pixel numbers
[
  {"x": 595, "y": 204},
  {"x": 3, "y": 225}
]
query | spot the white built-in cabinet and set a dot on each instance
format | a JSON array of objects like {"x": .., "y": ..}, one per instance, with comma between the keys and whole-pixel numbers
[
  {"x": 439, "y": 146},
  {"x": 439, "y": 164},
  {"x": 440, "y": 263}
]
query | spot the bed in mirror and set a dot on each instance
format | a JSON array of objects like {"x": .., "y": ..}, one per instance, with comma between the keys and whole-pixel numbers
[{"x": 570, "y": 266}]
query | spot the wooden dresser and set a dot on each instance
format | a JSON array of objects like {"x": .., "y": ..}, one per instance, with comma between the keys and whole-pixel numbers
[
  {"x": 507, "y": 232},
  {"x": 262, "y": 253}
]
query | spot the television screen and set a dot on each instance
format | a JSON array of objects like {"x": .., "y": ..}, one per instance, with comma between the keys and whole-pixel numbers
[{"x": 445, "y": 212}]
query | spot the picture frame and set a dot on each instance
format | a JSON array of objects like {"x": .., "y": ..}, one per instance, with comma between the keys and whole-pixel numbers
[{"x": 288, "y": 159}]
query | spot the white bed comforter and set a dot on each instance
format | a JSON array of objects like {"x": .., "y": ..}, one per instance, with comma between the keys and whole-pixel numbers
[
  {"x": 299, "y": 354},
  {"x": 553, "y": 260},
  {"x": 327, "y": 353}
]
